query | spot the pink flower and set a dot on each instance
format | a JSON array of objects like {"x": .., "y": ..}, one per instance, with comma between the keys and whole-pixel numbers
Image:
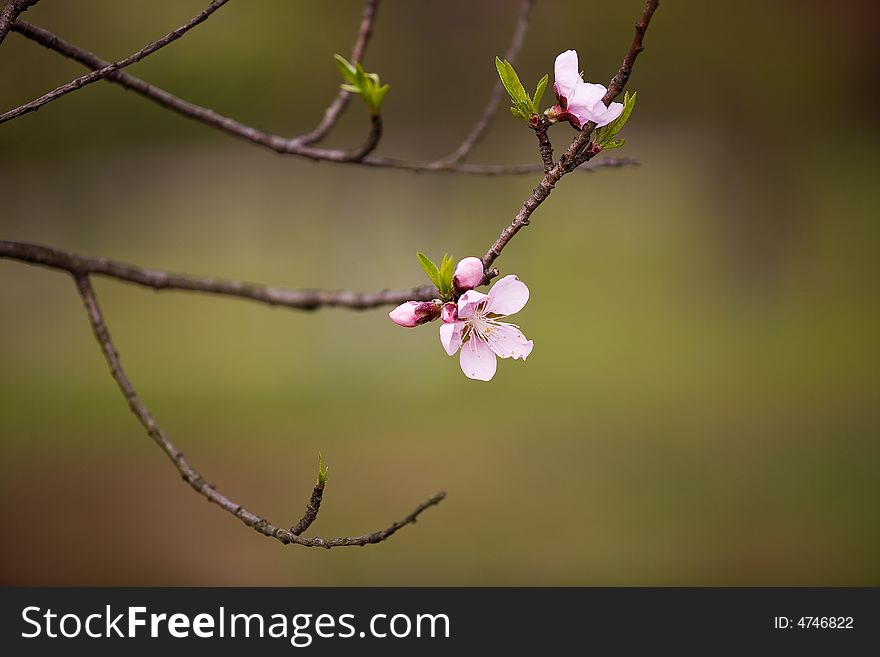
[
  {"x": 468, "y": 275},
  {"x": 579, "y": 101},
  {"x": 413, "y": 313},
  {"x": 480, "y": 335}
]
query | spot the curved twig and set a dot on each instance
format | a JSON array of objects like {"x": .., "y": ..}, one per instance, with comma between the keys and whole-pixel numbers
[
  {"x": 45, "y": 256},
  {"x": 189, "y": 474},
  {"x": 482, "y": 124}
]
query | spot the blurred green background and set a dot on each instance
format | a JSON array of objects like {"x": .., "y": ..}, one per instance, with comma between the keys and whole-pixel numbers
[{"x": 701, "y": 406}]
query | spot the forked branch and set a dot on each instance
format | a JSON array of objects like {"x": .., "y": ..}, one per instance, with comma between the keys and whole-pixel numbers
[{"x": 189, "y": 474}]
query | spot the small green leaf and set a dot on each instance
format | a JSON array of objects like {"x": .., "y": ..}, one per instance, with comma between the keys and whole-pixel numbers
[
  {"x": 358, "y": 81},
  {"x": 345, "y": 68},
  {"x": 616, "y": 143},
  {"x": 524, "y": 106},
  {"x": 511, "y": 82},
  {"x": 379, "y": 94},
  {"x": 447, "y": 269},
  {"x": 605, "y": 134},
  {"x": 539, "y": 94},
  {"x": 430, "y": 269},
  {"x": 322, "y": 471}
]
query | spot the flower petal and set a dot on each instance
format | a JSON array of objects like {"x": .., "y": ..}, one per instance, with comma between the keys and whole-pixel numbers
[
  {"x": 586, "y": 103},
  {"x": 507, "y": 341},
  {"x": 566, "y": 74},
  {"x": 508, "y": 296},
  {"x": 468, "y": 303},
  {"x": 610, "y": 114},
  {"x": 468, "y": 274},
  {"x": 477, "y": 360},
  {"x": 450, "y": 336}
]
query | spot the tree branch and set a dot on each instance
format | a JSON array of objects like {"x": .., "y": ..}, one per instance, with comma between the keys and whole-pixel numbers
[
  {"x": 11, "y": 11},
  {"x": 77, "y": 265},
  {"x": 189, "y": 474},
  {"x": 107, "y": 69},
  {"x": 577, "y": 152}
]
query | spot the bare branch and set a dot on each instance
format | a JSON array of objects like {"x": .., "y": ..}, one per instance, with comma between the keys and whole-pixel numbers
[
  {"x": 189, "y": 474},
  {"x": 163, "y": 280},
  {"x": 482, "y": 124},
  {"x": 106, "y": 70},
  {"x": 11, "y": 11},
  {"x": 312, "y": 509},
  {"x": 577, "y": 153},
  {"x": 340, "y": 102},
  {"x": 545, "y": 148}
]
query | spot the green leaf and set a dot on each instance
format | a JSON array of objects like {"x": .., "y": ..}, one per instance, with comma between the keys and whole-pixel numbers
[
  {"x": 539, "y": 94},
  {"x": 430, "y": 269},
  {"x": 322, "y": 471},
  {"x": 358, "y": 81},
  {"x": 616, "y": 143},
  {"x": 379, "y": 94},
  {"x": 345, "y": 68},
  {"x": 605, "y": 134},
  {"x": 447, "y": 269},
  {"x": 511, "y": 82},
  {"x": 524, "y": 106}
]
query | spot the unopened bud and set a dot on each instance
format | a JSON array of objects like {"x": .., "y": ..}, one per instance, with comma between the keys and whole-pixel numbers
[
  {"x": 468, "y": 275},
  {"x": 449, "y": 313},
  {"x": 413, "y": 313}
]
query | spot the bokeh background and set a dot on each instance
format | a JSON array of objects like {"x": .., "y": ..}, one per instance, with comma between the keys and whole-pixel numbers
[{"x": 701, "y": 407}]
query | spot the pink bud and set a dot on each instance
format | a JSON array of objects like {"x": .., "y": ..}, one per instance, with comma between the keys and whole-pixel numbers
[
  {"x": 413, "y": 313},
  {"x": 468, "y": 275},
  {"x": 449, "y": 313}
]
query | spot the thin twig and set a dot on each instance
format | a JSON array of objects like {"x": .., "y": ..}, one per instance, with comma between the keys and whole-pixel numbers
[
  {"x": 11, "y": 11},
  {"x": 576, "y": 154},
  {"x": 312, "y": 509},
  {"x": 482, "y": 124},
  {"x": 45, "y": 256},
  {"x": 189, "y": 474},
  {"x": 545, "y": 147},
  {"x": 106, "y": 70},
  {"x": 340, "y": 101}
]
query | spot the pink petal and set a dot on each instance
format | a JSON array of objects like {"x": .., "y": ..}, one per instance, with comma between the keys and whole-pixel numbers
[
  {"x": 507, "y": 341},
  {"x": 586, "y": 102},
  {"x": 508, "y": 296},
  {"x": 468, "y": 274},
  {"x": 468, "y": 303},
  {"x": 405, "y": 314},
  {"x": 450, "y": 336},
  {"x": 566, "y": 74},
  {"x": 610, "y": 114},
  {"x": 477, "y": 360}
]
